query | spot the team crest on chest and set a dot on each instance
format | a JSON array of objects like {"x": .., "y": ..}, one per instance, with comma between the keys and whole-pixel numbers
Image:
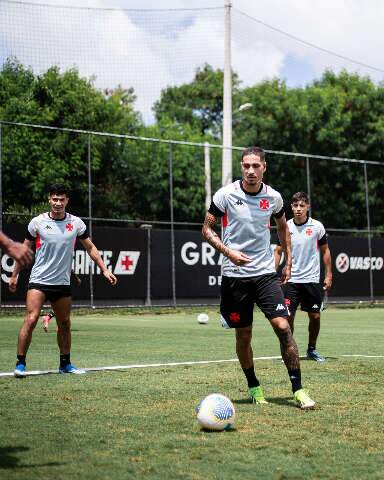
[
  {"x": 69, "y": 227},
  {"x": 264, "y": 204},
  {"x": 308, "y": 231}
]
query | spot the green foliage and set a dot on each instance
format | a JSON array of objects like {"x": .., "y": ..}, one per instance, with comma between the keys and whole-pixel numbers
[
  {"x": 198, "y": 104},
  {"x": 33, "y": 158},
  {"x": 338, "y": 115}
]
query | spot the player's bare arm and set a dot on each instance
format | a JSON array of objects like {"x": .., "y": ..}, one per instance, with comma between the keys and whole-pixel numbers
[
  {"x": 327, "y": 260},
  {"x": 93, "y": 252},
  {"x": 277, "y": 253},
  {"x": 12, "y": 285},
  {"x": 18, "y": 251},
  {"x": 236, "y": 257},
  {"x": 285, "y": 241}
]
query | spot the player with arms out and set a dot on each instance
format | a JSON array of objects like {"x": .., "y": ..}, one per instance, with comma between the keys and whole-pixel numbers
[
  {"x": 308, "y": 236},
  {"x": 54, "y": 234},
  {"x": 248, "y": 270}
]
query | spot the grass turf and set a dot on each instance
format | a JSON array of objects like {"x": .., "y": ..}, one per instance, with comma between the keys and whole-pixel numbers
[{"x": 140, "y": 424}]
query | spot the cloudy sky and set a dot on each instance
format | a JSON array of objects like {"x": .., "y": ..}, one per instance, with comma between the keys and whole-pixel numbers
[{"x": 149, "y": 50}]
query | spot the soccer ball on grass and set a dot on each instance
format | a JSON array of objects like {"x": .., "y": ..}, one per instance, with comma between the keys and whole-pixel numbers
[
  {"x": 216, "y": 412},
  {"x": 202, "y": 318}
]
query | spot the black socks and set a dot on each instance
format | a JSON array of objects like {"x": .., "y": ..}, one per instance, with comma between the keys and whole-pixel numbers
[
  {"x": 65, "y": 360},
  {"x": 20, "y": 360},
  {"x": 251, "y": 377},
  {"x": 295, "y": 377}
]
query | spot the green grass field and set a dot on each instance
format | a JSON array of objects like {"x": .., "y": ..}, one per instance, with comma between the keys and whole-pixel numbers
[{"x": 140, "y": 423}]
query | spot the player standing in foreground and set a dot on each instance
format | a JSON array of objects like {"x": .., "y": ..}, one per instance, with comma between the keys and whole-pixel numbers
[
  {"x": 248, "y": 270},
  {"x": 308, "y": 236},
  {"x": 54, "y": 234},
  {"x": 18, "y": 251}
]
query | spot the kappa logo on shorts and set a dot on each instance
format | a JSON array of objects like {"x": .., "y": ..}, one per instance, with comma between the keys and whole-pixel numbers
[
  {"x": 315, "y": 306},
  {"x": 234, "y": 317},
  {"x": 279, "y": 307}
]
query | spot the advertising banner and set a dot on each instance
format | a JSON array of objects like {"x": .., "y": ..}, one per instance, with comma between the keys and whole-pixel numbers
[{"x": 196, "y": 266}]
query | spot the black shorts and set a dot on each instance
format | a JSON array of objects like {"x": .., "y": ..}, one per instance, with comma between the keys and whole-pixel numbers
[
  {"x": 52, "y": 292},
  {"x": 239, "y": 294},
  {"x": 309, "y": 295}
]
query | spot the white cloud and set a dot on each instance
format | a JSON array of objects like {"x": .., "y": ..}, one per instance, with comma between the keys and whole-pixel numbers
[{"x": 152, "y": 50}]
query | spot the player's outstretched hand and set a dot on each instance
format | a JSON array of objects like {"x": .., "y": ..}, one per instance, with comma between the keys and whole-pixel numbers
[
  {"x": 21, "y": 253},
  {"x": 110, "y": 277},
  {"x": 238, "y": 258},
  {"x": 12, "y": 285}
]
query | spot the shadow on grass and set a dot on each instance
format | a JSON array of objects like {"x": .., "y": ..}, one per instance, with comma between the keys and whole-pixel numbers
[
  {"x": 276, "y": 400},
  {"x": 9, "y": 459},
  {"x": 287, "y": 401}
]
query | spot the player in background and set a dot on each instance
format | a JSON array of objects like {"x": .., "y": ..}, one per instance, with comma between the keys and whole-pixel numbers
[
  {"x": 54, "y": 234},
  {"x": 248, "y": 269},
  {"x": 18, "y": 251},
  {"x": 308, "y": 237}
]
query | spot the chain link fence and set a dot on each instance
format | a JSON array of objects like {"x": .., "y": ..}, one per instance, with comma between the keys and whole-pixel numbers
[{"x": 122, "y": 183}]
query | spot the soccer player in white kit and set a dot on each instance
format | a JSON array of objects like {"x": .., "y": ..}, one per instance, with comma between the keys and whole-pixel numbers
[
  {"x": 54, "y": 234},
  {"x": 309, "y": 239},
  {"x": 248, "y": 270}
]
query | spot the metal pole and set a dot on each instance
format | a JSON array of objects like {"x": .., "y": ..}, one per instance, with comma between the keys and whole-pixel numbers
[
  {"x": 91, "y": 291},
  {"x": 369, "y": 231},
  {"x": 227, "y": 99},
  {"x": 308, "y": 184},
  {"x": 148, "y": 228},
  {"x": 173, "y": 256},
  {"x": 1, "y": 207},
  {"x": 207, "y": 175}
]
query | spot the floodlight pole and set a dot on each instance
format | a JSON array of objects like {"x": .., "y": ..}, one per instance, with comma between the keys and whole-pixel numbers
[{"x": 227, "y": 99}]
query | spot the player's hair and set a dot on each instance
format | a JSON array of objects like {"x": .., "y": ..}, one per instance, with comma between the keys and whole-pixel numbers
[
  {"x": 58, "y": 189},
  {"x": 259, "y": 152},
  {"x": 300, "y": 197}
]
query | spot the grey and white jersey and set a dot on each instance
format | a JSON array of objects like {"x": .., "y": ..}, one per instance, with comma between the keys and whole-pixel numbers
[
  {"x": 246, "y": 226},
  {"x": 306, "y": 239},
  {"x": 55, "y": 242}
]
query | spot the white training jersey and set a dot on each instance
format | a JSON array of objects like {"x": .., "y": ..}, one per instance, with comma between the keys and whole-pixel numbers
[
  {"x": 55, "y": 242},
  {"x": 246, "y": 226},
  {"x": 306, "y": 239}
]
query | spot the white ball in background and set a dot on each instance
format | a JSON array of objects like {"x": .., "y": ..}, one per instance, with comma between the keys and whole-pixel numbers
[{"x": 202, "y": 318}]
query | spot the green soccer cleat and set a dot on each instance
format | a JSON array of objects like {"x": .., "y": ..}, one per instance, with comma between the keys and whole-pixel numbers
[
  {"x": 257, "y": 395},
  {"x": 303, "y": 400}
]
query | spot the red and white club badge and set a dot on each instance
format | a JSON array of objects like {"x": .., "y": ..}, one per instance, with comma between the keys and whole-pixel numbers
[
  {"x": 126, "y": 263},
  {"x": 264, "y": 204}
]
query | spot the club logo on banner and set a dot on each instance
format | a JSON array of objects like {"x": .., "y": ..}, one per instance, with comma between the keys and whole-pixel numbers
[{"x": 126, "y": 263}]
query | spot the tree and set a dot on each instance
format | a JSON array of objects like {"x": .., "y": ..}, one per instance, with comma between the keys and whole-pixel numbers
[
  {"x": 198, "y": 104},
  {"x": 33, "y": 158}
]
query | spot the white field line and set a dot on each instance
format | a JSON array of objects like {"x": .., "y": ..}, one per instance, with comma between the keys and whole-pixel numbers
[{"x": 169, "y": 364}]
